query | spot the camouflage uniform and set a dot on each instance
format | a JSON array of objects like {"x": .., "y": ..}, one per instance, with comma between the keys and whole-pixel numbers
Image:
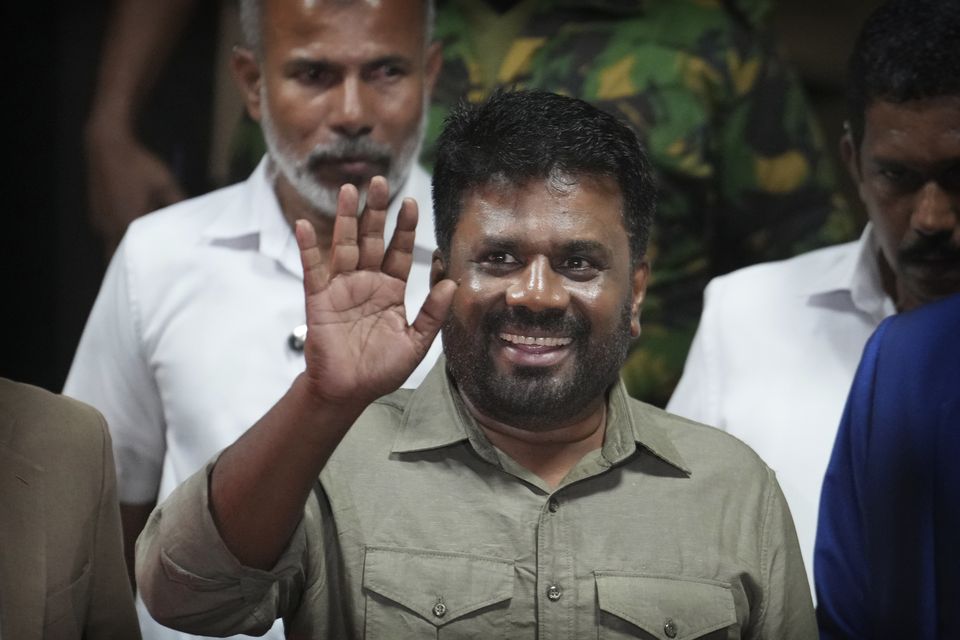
[{"x": 741, "y": 166}]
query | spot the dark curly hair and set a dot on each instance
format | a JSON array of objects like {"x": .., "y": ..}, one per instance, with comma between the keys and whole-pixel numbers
[
  {"x": 907, "y": 50},
  {"x": 519, "y": 136}
]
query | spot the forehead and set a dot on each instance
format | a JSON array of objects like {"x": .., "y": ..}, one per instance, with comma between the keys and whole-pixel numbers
[
  {"x": 543, "y": 212},
  {"x": 918, "y": 132},
  {"x": 350, "y": 28}
]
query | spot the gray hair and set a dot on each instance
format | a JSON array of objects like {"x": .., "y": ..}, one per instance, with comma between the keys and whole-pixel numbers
[{"x": 251, "y": 12}]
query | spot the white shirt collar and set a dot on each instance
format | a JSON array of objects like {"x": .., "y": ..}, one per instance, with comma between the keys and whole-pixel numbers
[
  {"x": 257, "y": 222},
  {"x": 856, "y": 275}
]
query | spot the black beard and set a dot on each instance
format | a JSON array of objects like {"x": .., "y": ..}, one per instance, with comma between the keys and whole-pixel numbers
[{"x": 535, "y": 398}]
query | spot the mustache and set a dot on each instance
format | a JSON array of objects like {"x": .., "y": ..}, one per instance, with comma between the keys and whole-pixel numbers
[
  {"x": 935, "y": 247},
  {"x": 550, "y": 321},
  {"x": 349, "y": 149}
]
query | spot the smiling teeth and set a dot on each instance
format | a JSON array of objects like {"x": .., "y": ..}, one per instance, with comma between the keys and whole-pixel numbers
[{"x": 539, "y": 341}]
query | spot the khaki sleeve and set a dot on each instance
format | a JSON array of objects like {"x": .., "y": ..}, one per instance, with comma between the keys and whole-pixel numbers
[
  {"x": 786, "y": 608},
  {"x": 191, "y": 582}
]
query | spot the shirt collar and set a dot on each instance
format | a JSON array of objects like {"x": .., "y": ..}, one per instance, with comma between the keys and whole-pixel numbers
[
  {"x": 855, "y": 275},
  {"x": 436, "y": 417},
  {"x": 254, "y": 194},
  {"x": 257, "y": 222}
]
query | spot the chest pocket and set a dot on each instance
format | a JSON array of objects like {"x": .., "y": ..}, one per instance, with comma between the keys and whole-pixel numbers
[
  {"x": 431, "y": 594},
  {"x": 663, "y": 607}
]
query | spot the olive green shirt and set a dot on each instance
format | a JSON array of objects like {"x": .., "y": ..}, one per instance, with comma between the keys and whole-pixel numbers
[{"x": 420, "y": 528}]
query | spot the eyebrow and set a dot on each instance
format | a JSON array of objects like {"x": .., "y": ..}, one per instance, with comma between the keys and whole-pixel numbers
[
  {"x": 586, "y": 246},
  {"x": 947, "y": 164},
  {"x": 397, "y": 59},
  {"x": 511, "y": 245},
  {"x": 305, "y": 62}
]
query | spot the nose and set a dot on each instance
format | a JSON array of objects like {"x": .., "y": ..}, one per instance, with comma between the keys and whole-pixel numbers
[
  {"x": 936, "y": 210},
  {"x": 538, "y": 287},
  {"x": 351, "y": 116}
]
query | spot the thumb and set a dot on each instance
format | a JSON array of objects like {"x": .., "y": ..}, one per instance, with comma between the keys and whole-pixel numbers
[{"x": 433, "y": 313}]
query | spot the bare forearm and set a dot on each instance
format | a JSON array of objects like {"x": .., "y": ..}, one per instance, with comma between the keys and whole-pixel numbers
[
  {"x": 139, "y": 39},
  {"x": 260, "y": 484}
]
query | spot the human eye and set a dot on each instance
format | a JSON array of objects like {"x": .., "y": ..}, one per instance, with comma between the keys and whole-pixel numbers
[
  {"x": 497, "y": 262},
  {"x": 578, "y": 267},
  {"x": 950, "y": 179},
  {"x": 898, "y": 178},
  {"x": 320, "y": 76},
  {"x": 577, "y": 263},
  {"x": 387, "y": 71},
  {"x": 499, "y": 258}
]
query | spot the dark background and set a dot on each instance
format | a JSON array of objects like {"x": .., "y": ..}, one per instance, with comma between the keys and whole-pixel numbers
[{"x": 52, "y": 263}]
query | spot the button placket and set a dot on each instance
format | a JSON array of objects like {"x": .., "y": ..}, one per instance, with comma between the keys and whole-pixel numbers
[{"x": 557, "y": 590}]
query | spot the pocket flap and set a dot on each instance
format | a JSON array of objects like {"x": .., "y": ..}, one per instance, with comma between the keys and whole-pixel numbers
[
  {"x": 669, "y": 607},
  {"x": 420, "y": 580}
]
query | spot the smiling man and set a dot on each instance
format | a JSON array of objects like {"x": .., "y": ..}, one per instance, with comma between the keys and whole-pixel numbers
[
  {"x": 519, "y": 492},
  {"x": 778, "y": 343},
  {"x": 198, "y": 325}
]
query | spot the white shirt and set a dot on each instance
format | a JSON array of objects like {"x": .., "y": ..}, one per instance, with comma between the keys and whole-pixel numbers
[
  {"x": 773, "y": 359},
  {"x": 187, "y": 343}
]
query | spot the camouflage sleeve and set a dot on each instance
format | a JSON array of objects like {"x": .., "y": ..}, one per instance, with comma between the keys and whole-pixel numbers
[{"x": 776, "y": 188}]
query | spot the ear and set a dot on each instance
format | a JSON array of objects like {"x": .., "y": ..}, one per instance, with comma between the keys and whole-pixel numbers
[
  {"x": 849, "y": 155},
  {"x": 438, "y": 271},
  {"x": 640, "y": 277},
  {"x": 248, "y": 77},
  {"x": 432, "y": 68}
]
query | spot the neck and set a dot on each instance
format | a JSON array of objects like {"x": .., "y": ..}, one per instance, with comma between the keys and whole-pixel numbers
[{"x": 552, "y": 453}]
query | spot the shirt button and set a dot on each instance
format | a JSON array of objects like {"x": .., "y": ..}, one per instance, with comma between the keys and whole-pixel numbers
[
  {"x": 554, "y": 592},
  {"x": 298, "y": 338},
  {"x": 670, "y": 628},
  {"x": 553, "y": 505},
  {"x": 439, "y": 609}
]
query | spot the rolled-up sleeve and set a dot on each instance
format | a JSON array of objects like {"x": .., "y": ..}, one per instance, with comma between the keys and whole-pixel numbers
[{"x": 191, "y": 582}]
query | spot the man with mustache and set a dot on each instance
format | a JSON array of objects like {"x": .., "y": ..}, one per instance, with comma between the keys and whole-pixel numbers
[
  {"x": 199, "y": 323},
  {"x": 519, "y": 492},
  {"x": 778, "y": 344}
]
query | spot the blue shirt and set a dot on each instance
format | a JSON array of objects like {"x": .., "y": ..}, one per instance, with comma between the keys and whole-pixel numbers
[{"x": 887, "y": 558}]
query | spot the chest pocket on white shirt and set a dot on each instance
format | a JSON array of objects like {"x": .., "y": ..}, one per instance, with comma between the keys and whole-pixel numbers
[
  {"x": 432, "y": 594},
  {"x": 636, "y": 605}
]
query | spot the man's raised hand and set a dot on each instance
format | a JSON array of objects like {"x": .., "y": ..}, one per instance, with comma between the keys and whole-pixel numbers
[{"x": 359, "y": 345}]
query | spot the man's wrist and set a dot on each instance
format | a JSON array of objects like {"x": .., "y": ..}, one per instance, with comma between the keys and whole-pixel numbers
[{"x": 322, "y": 413}]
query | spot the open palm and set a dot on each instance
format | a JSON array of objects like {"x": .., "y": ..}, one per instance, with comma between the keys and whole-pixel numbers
[{"x": 359, "y": 345}]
